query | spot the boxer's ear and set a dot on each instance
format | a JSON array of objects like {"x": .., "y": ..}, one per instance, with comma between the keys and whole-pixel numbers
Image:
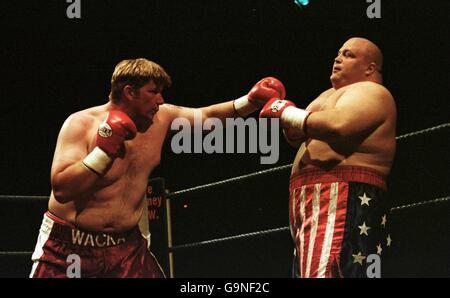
[
  {"x": 129, "y": 92},
  {"x": 371, "y": 69}
]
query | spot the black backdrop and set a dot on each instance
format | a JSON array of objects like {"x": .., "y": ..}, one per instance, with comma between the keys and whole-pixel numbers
[{"x": 215, "y": 50}]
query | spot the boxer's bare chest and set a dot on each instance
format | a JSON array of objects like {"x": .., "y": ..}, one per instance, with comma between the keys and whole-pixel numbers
[
  {"x": 142, "y": 155},
  {"x": 328, "y": 100},
  {"x": 315, "y": 152}
]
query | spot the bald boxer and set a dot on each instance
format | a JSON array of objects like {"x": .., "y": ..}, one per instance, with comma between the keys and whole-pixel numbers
[
  {"x": 338, "y": 209},
  {"x": 102, "y": 161}
]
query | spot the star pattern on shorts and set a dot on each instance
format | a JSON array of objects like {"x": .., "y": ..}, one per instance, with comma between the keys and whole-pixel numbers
[
  {"x": 383, "y": 220},
  {"x": 358, "y": 258},
  {"x": 379, "y": 249},
  {"x": 363, "y": 229},
  {"x": 389, "y": 240},
  {"x": 364, "y": 199}
]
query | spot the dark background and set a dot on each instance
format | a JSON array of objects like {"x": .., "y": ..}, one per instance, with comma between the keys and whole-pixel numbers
[{"x": 214, "y": 51}]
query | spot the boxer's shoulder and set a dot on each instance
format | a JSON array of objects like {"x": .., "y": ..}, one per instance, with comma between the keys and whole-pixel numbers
[
  {"x": 169, "y": 112},
  {"x": 83, "y": 122},
  {"x": 87, "y": 117},
  {"x": 370, "y": 91},
  {"x": 367, "y": 86}
]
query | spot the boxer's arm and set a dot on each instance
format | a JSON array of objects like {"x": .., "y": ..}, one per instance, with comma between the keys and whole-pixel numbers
[
  {"x": 293, "y": 141},
  {"x": 295, "y": 137},
  {"x": 70, "y": 178},
  {"x": 358, "y": 112},
  {"x": 317, "y": 104},
  {"x": 243, "y": 106},
  {"x": 221, "y": 111},
  {"x": 191, "y": 116}
]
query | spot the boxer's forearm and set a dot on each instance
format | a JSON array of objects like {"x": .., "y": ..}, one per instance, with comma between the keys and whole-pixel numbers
[
  {"x": 73, "y": 182},
  {"x": 328, "y": 126},
  {"x": 293, "y": 140},
  {"x": 221, "y": 111}
]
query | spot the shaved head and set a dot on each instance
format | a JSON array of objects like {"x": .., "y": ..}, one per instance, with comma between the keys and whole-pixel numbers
[
  {"x": 359, "y": 59},
  {"x": 371, "y": 51}
]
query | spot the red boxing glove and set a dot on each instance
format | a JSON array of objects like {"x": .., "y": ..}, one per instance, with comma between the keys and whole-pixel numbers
[
  {"x": 290, "y": 115},
  {"x": 264, "y": 90},
  {"x": 111, "y": 136},
  {"x": 274, "y": 108},
  {"x": 114, "y": 131}
]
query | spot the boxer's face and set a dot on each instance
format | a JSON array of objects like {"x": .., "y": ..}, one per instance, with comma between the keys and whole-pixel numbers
[
  {"x": 349, "y": 65},
  {"x": 145, "y": 105}
]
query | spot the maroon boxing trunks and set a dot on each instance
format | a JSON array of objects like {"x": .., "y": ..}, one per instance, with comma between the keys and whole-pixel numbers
[{"x": 60, "y": 244}]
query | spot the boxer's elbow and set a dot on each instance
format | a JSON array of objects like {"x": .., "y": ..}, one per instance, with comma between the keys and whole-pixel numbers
[
  {"x": 60, "y": 196},
  {"x": 62, "y": 192},
  {"x": 293, "y": 137},
  {"x": 295, "y": 144}
]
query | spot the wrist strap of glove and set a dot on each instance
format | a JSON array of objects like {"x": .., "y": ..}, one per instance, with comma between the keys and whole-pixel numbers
[
  {"x": 97, "y": 161},
  {"x": 243, "y": 106},
  {"x": 295, "y": 117}
]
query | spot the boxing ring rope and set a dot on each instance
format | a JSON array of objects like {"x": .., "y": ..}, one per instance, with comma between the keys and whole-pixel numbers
[
  {"x": 423, "y": 131},
  {"x": 6, "y": 198},
  {"x": 227, "y": 181},
  {"x": 252, "y": 234},
  {"x": 286, "y": 228},
  {"x": 430, "y": 202},
  {"x": 177, "y": 194},
  {"x": 285, "y": 167}
]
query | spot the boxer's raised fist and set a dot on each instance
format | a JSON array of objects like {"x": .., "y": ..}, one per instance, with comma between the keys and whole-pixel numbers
[
  {"x": 275, "y": 107},
  {"x": 257, "y": 97},
  {"x": 110, "y": 141},
  {"x": 114, "y": 131},
  {"x": 290, "y": 116},
  {"x": 266, "y": 89}
]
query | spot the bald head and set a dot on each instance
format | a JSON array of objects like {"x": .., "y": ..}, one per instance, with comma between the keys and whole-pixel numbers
[
  {"x": 358, "y": 60},
  {"x": 369, "y": 50}
]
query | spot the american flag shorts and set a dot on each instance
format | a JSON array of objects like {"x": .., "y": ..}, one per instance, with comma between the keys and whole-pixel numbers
[{"x": 338, "y": 218}]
